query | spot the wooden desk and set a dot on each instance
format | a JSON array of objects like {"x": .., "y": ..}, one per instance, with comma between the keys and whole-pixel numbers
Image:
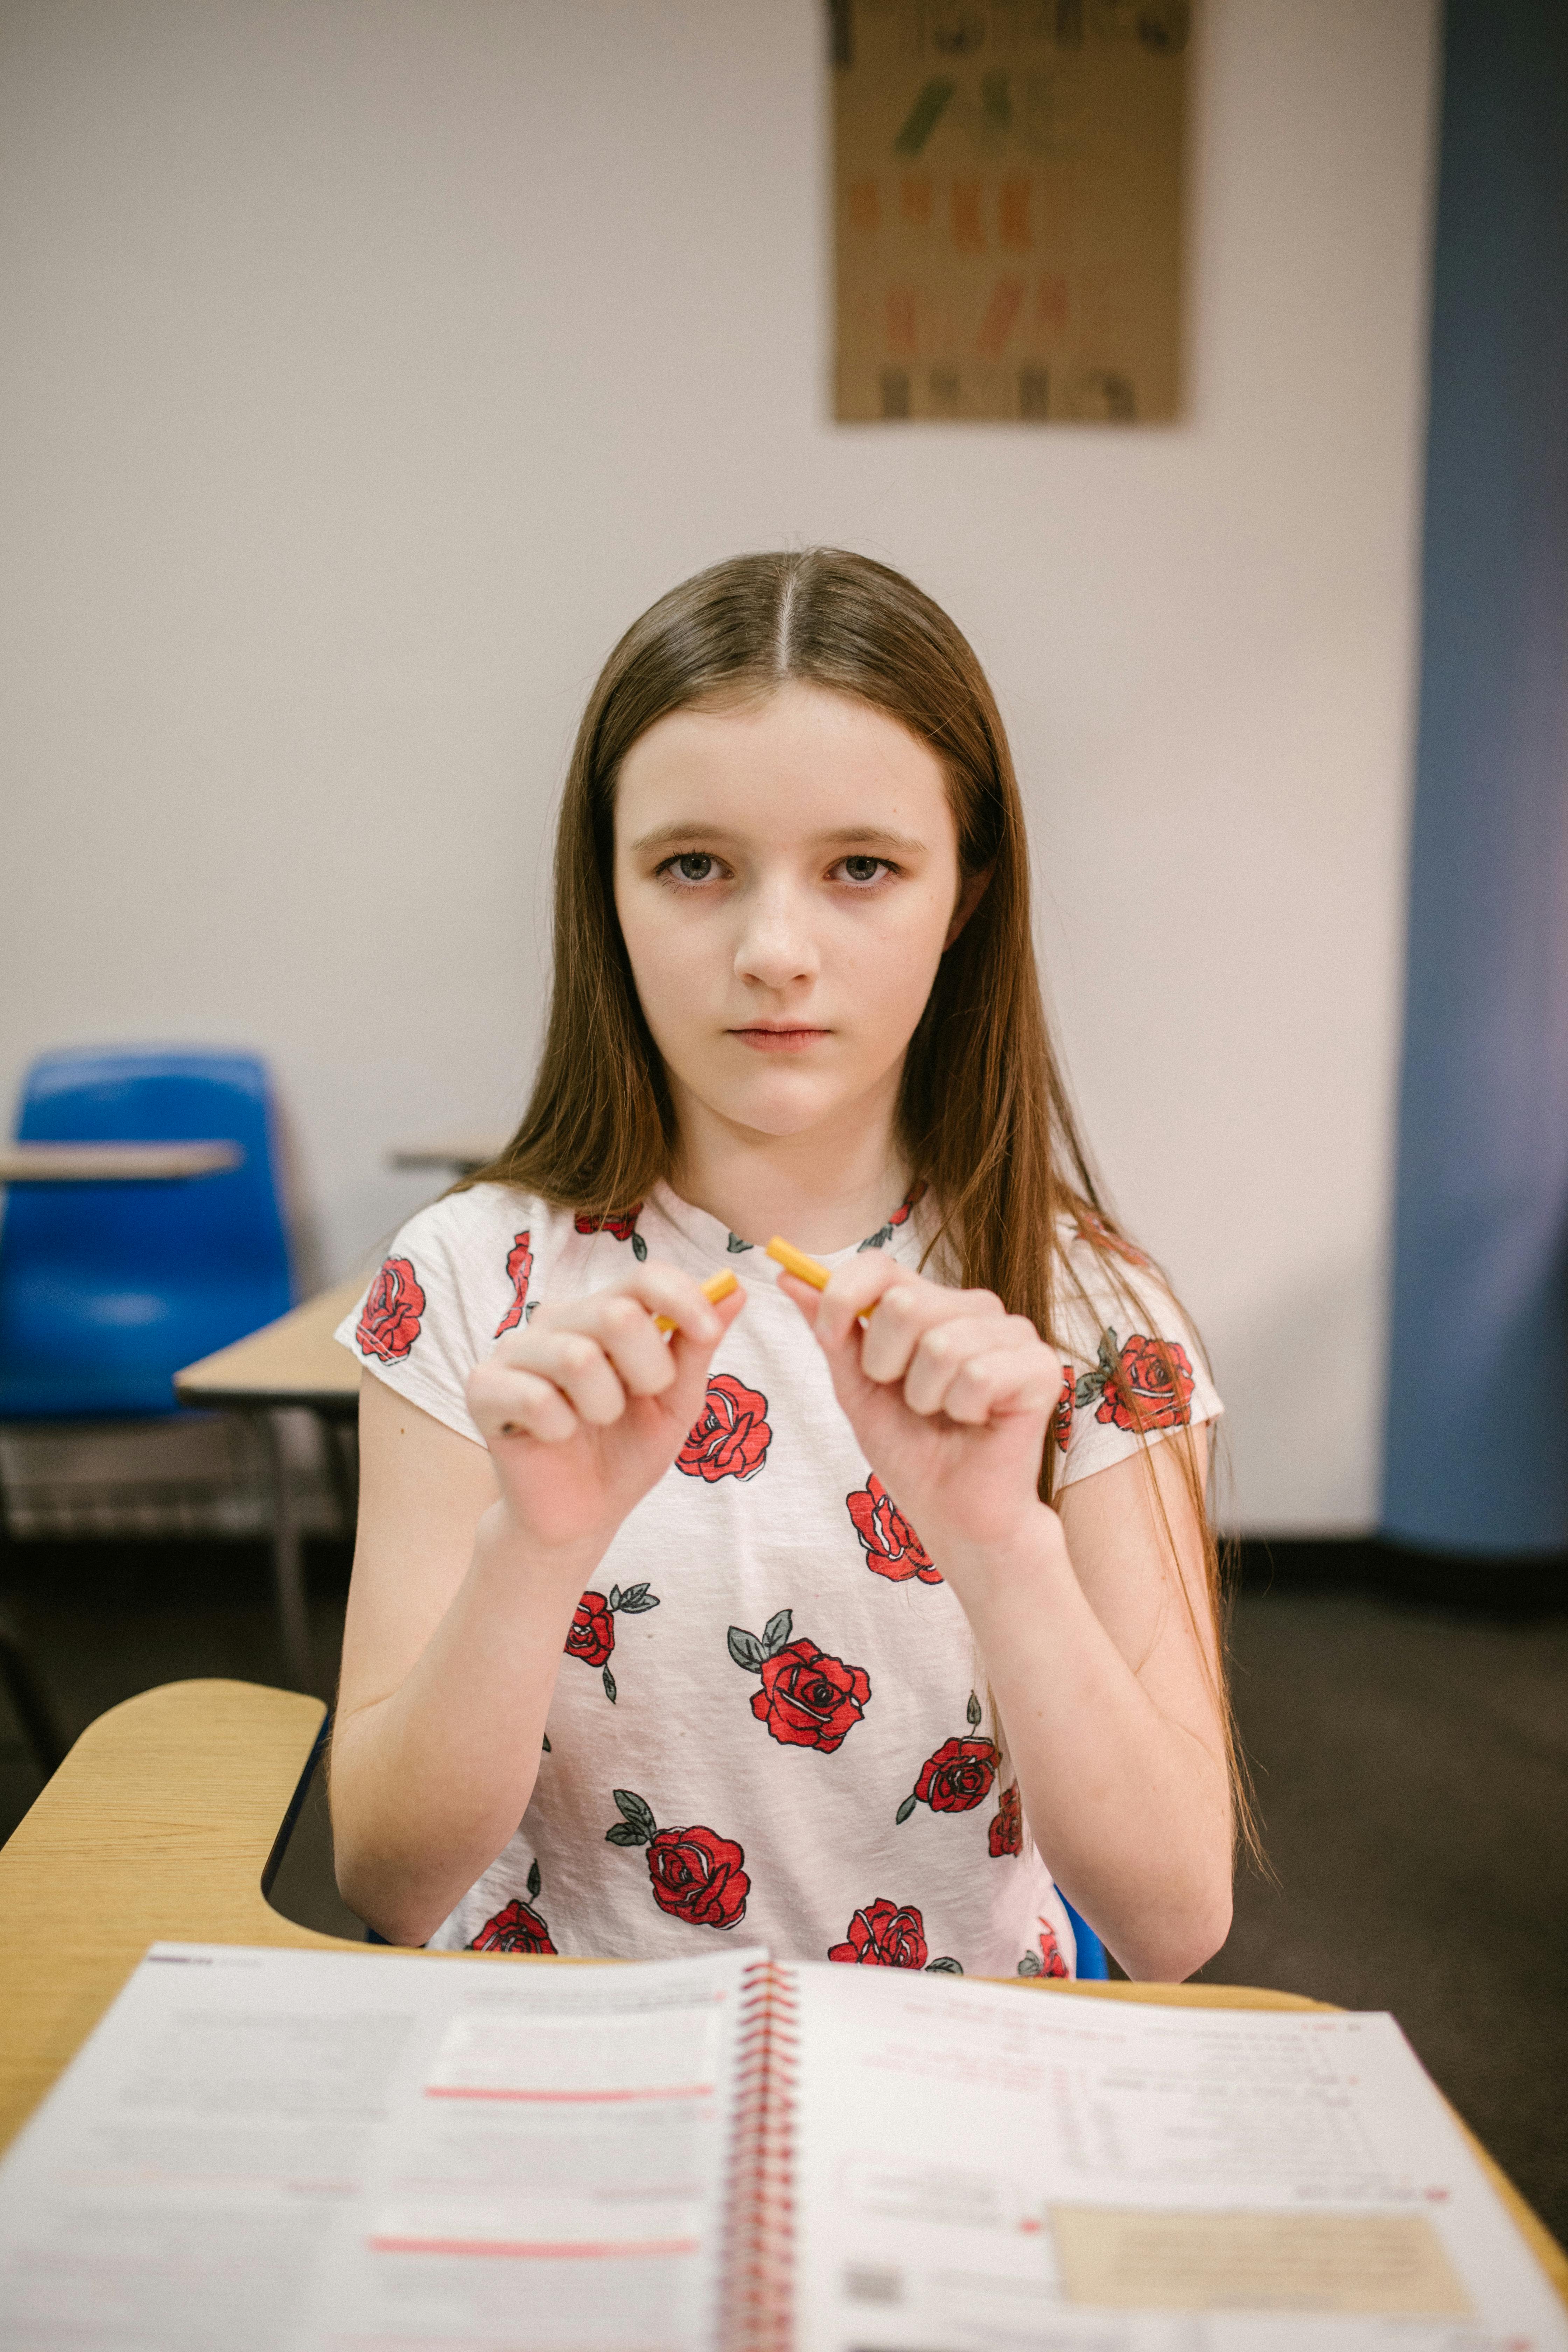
[
  {"x": 294, "y": 1361},
  {"x": 159, "y": 1825},
  {"x": 461, "y": 1154},
  {"x": 113, "y": 1164}
]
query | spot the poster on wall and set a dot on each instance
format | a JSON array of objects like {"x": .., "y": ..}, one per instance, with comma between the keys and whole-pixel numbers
[{"x": 1009, "y": 208}]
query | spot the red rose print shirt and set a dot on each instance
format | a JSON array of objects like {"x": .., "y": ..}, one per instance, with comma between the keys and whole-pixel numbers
[{"x": 769, "y": 1723}]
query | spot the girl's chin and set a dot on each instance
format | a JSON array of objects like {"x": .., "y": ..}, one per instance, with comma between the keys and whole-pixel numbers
[{"x": 784, "y": 1102}]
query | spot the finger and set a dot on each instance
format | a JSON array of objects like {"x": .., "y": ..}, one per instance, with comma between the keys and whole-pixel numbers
[
  {"x": 623, "y": 1322},
  {"x": 632, "y": 1342},
  {"x": 661, "y": 1289},
  {"x": 808, "y": 1300},
  {"x": 714, "y": 1288},
  {"x": 942, "y": 1348},
  {"x": 691, "y": 1354},
  {"x": 906, "y": 1314},
  {"x": 856, "y": 1290},
  {"x": 994, "y": 1385},
  {"x": 509, "y": 1403},
  {"x": 682, "y": 1301},
  {"x": 579, "y": 1368},
  {"x": 850, "y": 1386}
]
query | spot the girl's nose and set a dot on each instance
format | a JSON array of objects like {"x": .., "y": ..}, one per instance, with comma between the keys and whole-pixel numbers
[{"x": 776, "y": 946}]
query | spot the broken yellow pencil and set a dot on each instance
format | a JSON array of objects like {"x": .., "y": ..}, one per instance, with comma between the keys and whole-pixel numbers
[
  {"x": 796, "y": 1262},
  {"x": 717, "y": 1286},
  {"x": 805, "y": 1269}
]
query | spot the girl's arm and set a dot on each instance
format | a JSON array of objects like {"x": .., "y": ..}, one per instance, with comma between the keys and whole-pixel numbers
[
  {"x": 1110, "y": 1701},
  {"x": 468, "y": 1564},
  {"x": 1094, "y": 1624}
]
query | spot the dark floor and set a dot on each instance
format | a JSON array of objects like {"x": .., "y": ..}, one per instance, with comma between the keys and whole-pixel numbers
[
  {"x": 1410, "y": 1757},
  {"x": 1411, "y": 1771}
]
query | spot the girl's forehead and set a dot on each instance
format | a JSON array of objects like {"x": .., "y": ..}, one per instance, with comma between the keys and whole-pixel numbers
[{"x": 800, "y": 756}]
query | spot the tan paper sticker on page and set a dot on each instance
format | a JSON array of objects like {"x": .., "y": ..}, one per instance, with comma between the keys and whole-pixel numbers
[
  {"x": 1367, "y": 2262},
  {"x": 1008, "y": 195}
]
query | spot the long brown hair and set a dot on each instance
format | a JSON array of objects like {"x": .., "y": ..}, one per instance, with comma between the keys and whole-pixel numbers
[{"x": 984, "y": 1117}]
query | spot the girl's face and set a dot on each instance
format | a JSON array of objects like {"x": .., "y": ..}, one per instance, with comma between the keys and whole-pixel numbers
[{"x": 786, "y": 875}]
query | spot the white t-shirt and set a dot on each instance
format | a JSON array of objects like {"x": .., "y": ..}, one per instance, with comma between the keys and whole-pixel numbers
[{"x": 770, "y": 1722}]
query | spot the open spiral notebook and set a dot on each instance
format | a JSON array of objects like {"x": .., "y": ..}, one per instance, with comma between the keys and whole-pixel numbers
[{"x": 281, "y": 2151}]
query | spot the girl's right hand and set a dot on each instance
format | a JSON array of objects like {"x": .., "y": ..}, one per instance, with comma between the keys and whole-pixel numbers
[{"x": 587, "y": 1405}]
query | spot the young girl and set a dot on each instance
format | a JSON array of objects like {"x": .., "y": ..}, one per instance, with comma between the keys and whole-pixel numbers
[{"x": 855, "y": 1624}]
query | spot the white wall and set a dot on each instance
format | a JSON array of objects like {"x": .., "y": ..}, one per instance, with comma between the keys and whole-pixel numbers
[{"x": 368, "y": 366}]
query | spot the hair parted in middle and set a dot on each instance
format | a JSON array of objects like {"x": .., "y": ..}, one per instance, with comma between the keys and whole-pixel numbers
[{"x": 983, "y": 1115}]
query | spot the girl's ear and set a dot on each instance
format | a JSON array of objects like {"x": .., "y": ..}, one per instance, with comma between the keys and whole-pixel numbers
[{"x": 969, "y": 897}]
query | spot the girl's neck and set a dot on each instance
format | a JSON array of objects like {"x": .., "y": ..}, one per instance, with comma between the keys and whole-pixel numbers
[{"x": 825, "y": 1190}]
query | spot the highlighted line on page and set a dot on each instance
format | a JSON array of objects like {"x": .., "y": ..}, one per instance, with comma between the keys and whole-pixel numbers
[
  {"x": 567, "y": 2098},
  {"x": 540, "y": 2250}
]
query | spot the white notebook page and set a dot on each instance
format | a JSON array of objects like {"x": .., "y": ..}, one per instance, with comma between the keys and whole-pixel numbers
[
  {"x": 986, "y": 2169},
  {"x": 275, "y": 2151}
]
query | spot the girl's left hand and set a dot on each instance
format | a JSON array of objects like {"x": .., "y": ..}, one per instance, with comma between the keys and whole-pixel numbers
[{"x": 949, "y": 1395}]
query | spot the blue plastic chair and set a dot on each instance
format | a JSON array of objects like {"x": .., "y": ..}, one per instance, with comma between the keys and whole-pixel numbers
[
  {"x": 1092, "y": 1960},
  {"x": 107, "y": 1290}
]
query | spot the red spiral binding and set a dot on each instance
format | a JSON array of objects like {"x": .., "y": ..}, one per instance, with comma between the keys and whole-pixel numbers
[{"x": 759, "y": 2236}]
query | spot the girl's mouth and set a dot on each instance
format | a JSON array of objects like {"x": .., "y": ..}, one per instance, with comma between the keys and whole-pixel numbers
[{"x": 779, "y": 1041}]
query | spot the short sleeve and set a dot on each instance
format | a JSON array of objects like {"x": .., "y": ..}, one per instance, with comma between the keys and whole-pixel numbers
[
  {"x": 455, "y": 1273},
  {"x": 1133, "y": 1368}
]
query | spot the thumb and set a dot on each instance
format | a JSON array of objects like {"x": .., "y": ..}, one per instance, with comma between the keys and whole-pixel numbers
[
  {"x": 693, "y": 1357},
  {"x": 850, "y": 1385}
]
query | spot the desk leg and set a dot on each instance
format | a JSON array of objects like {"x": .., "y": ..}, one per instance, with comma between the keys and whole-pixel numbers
[
  {"x": 288, "y": 1558},
  {"x": 341, "y": 1441},
  {"x": 19, "y": 1678},
  {"x": 28, "y": 1705}
]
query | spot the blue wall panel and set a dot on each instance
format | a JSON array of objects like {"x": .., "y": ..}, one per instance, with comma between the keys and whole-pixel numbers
[{"x": 1477, "y": 1450}]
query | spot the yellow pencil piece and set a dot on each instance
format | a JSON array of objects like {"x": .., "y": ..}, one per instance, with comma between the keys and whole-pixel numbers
[
  {"x": 796, "y": 1262},
  {"x": 717, "y": 1286},
  {"x": 807, "y": 1269}
]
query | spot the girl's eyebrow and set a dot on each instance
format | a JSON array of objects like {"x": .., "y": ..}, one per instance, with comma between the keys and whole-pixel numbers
[
  {"x": 664, "y": 836},
  {"x": 843, "y": 834}
]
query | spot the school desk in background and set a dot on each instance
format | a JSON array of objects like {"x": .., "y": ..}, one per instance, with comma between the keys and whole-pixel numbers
[
  {"x": 142, "y": 1225},
  {"x": 291, "y": 1365},
  {"x": 295, "y": 1364}
]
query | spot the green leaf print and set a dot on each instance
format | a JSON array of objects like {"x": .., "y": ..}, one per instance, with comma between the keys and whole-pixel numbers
[
  {"x": 637, "y": 1813},
  {"x": 1093, "y": 1384},
  {"x": 746, "y": 1650},
  {"x": 777, "y": 1632}
]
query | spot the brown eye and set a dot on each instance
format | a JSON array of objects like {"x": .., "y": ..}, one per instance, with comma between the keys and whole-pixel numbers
[{"x": 694, "y": 865}]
